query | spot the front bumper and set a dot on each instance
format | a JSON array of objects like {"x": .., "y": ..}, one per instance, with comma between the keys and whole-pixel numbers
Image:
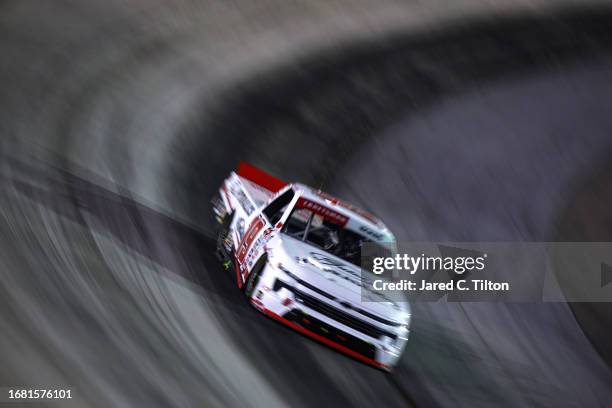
[{"x": 281, "y": 305}]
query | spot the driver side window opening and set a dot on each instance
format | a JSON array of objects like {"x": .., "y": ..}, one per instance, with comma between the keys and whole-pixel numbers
[{"x": 275, "y": 210}]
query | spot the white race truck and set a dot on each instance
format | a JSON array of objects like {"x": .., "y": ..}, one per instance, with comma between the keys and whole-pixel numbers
[{"x": 296, "y": 253}]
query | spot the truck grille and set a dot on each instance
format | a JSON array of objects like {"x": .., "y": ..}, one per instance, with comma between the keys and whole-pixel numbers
[
  {"x": 332, "y": 333},
  {"x": 331, "y": 297},
  {"x": 340, "y": 316}
]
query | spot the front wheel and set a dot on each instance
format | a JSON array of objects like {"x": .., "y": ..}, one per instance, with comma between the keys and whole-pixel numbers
[{"x": 254, "y": 276}]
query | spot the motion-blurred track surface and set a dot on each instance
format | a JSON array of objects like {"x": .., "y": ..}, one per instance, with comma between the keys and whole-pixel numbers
[{"x": 119, "y": 123}]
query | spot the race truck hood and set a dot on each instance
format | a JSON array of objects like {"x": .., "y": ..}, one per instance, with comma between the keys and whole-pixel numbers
[{"x": 332, "y": 275}]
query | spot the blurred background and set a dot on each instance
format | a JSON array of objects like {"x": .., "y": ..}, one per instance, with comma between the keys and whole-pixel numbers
[{"x": 465, "y": 120}]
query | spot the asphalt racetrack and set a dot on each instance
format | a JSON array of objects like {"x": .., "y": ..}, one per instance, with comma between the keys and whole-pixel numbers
[{"x": 120, "y": 119}]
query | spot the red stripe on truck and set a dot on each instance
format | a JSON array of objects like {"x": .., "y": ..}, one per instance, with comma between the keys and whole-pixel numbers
[
  {"x": 238, "y": 275},
  {"x": 259, "y": 177}
]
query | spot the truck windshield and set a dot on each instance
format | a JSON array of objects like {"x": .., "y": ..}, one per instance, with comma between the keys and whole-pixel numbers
[{"x": 326, "y": 231}]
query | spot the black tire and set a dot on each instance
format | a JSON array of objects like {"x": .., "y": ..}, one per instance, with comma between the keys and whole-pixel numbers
[{"x": 253, "y": 278}]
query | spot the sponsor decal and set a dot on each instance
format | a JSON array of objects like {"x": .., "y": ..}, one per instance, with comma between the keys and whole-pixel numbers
[
  {"x": 258, "y": 304},
  {"x": 256, "y": 226},
  {"x": 327, "y": 213},
  {"x": 348, "y": 206},
  {"x": 257, "y": 248},
  {"x": 237, "y": 191},
  {"x": 369, "y": 231},
  {"x": 342, "y": 271},
  {"x": 240, "y": 228},
  {"x": 226, "y": 195},
  {"x": 337, "y": 268}
]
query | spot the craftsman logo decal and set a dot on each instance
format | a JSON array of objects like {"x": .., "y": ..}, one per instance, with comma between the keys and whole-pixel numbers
[{"x": 327, "y": 213}]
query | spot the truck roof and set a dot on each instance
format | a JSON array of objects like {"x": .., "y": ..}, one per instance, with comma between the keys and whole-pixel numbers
[
  {"x": 262, "y": 186},
  {"x": 355, "y": 214}
]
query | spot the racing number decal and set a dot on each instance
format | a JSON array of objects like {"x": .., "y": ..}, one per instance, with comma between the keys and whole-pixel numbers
[
  {"x": 245, "y": 245},
  {"x": 248, "y": 239}
]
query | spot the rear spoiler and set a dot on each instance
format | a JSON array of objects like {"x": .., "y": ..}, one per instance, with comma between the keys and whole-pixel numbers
[{"x": 259, "y": 177}]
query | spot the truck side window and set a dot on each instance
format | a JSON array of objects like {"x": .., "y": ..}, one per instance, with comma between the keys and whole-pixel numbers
[{"x": 275, "y": 210}]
